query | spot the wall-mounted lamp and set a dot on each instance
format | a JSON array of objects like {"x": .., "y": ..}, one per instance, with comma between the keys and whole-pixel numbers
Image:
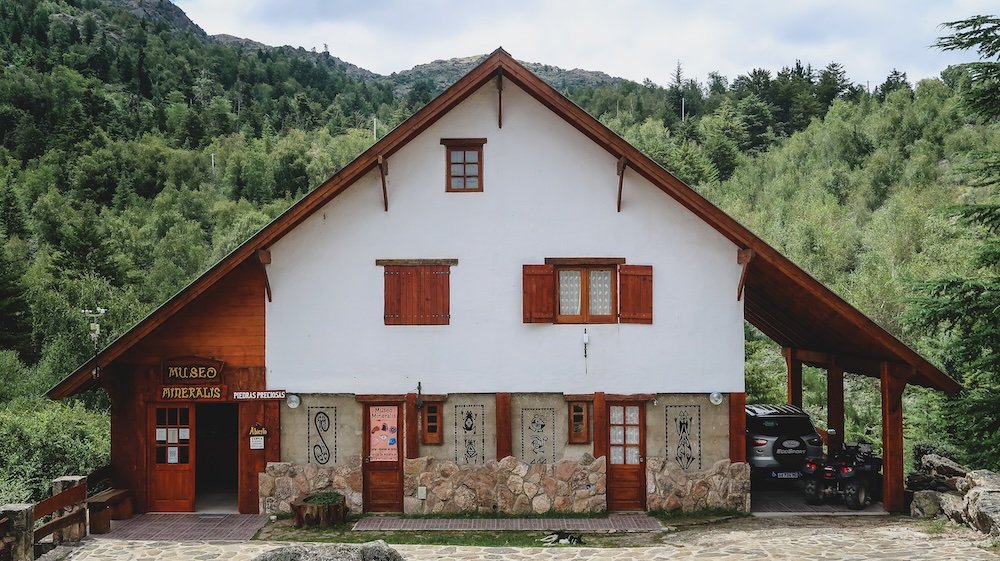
[
  {"x": 292, "y": 400},
  {"x": 420, "y": 397},
  {"x": 715, "y": 398}
]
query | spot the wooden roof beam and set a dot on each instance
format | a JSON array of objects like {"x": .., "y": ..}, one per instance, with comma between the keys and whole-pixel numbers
[
  {"x": 383, "y": 170},
  {"x": 743, "y": 257},
  {"x": 622, "y": 164}
]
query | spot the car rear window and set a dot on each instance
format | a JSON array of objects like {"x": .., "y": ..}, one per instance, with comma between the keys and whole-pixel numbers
[{"x": 778, "y": 426}]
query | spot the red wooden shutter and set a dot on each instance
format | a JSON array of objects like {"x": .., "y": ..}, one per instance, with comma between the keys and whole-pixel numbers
[
  {"x": 539, "y": 293},
  {"x": 393, "y": 293},
  {"x": 635, "y": 293},
  {"x": 435, "y": 295}
]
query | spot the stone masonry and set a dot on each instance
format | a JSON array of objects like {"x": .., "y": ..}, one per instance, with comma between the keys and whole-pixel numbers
[
  {"x": 724, "y": 485},
  {"x": 512, "y": 486}
]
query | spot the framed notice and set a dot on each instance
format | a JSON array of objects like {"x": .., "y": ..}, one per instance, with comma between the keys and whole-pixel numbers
[
  {"x": 172, "y": 455},
  {"x": 256, "y": 442},
  {"x": 384, "y": 433}
]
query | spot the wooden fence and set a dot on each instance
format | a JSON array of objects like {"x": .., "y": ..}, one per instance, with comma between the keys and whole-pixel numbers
[{"x": 66, "y": 514}]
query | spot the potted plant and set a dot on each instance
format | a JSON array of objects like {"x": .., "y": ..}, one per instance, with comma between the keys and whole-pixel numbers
[{"x": 319, "y": 510}]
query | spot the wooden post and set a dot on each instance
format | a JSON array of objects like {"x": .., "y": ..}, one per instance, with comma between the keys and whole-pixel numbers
[
  {"x": 893, "y": 384},
  {"x": 505, "y": 445},
  {"x": 73, "y": 532},
  {"x": 600, "y": 425},
  {"x": 835, "y": 405},
  {"x": 412, "y": 443},
  {"x": 737, "y": 427},
  {"x": 22, "y": 529},
  {"x": 794, "y": 368}
]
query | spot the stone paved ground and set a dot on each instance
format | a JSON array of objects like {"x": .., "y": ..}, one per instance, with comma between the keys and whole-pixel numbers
[{"x": 857, "y": 539}]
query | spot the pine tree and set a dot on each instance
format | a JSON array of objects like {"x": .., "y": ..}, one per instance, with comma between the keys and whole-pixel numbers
[{"x": 964, "y": 310}]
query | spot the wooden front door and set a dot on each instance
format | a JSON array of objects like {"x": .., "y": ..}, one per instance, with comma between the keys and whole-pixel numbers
[
  {"x": 382, "y": 467},
  {"x": 626, "y": 456},
  {"x": 171, "y": 458}
]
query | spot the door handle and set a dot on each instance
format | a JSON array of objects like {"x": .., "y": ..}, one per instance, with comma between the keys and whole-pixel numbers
[{"x": 368, "y": 459}]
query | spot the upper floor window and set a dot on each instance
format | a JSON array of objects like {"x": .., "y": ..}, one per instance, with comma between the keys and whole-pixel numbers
[
  {"x": 587, "y": 290},
  {"x": 417, "y": 291},
  {"x": 463, "y": 164}
]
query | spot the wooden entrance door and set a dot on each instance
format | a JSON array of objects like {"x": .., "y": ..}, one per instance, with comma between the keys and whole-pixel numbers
[
  {"x": 171, "y": 458},
  {"x": 382, "y": 468},
  {"x": 626, "y": 456}
]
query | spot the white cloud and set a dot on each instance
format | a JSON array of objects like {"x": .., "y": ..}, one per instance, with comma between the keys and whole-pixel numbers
[{"x": 635, "y": 39}]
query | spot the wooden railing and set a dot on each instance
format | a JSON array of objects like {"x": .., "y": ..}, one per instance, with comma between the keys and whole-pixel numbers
[{"x": 19, "y": 531}]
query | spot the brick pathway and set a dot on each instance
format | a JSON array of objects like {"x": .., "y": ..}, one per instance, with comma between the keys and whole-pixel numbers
[
  {"x": 186, "y": 527},
  {"x": 619, "y": 522}
]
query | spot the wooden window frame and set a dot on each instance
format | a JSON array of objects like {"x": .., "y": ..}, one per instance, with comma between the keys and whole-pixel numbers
[
  {"x": 585, "y": 316},
  {"x": 462, "y": 145},
  {"x": 586, "y": 436},
  {"x": 426, "y": 436}
]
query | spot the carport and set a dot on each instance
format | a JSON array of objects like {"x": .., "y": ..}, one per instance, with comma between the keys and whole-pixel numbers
[{"x": 817, "y": 328}]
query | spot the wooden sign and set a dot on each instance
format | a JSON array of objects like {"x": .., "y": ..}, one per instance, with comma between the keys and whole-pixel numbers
[
  {"x": 192, "y": 370},
  {"x": 258, "y": 395},
  {"x": 193, "y": 393}
]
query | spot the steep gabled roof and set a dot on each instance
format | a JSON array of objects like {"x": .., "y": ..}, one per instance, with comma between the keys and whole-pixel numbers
[{"x": 781, "y": 299}]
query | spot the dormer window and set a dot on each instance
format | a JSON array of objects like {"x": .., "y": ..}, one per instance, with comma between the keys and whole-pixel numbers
[{"x": 463, "y": 164}]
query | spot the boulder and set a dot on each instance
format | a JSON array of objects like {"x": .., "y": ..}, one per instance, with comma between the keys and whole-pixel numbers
[
  {"x": 926, "y": 504},
  {"x": 371, "y": 551},
  {"x": 982, "y": 510},
  {"x": 939, "y": 465},
  {"x": 926, "y": 482}
]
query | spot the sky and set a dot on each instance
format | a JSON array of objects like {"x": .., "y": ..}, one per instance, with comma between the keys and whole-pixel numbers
[{"x": 634, "y": 39}]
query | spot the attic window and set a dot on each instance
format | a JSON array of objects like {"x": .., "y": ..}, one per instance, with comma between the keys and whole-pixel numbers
[{"x": 463, "y": 164}]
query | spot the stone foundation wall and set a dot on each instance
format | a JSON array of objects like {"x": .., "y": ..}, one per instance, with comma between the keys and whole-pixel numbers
[
  {"x": 724, "y": 485},
  {"x": 282, "y": 482},
  {"x": 506, "y": 486},
  {"x": 512, "y": 486}
]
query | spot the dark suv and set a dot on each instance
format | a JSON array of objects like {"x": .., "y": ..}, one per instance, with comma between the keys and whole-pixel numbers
[{"x": 779, "y": 439}]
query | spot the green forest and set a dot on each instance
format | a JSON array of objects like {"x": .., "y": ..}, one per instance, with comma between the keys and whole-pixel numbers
[{"x": 135, "y": 153}]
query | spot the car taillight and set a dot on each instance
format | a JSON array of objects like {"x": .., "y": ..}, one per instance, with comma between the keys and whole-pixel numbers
[
  {"x": 760, "y": 442},
  {"x": 846, "y": 469},
  {"x": 810, "y": 466}
]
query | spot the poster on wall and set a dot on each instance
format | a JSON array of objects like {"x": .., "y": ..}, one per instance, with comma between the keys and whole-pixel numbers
[{"x": 384, "y": 433}]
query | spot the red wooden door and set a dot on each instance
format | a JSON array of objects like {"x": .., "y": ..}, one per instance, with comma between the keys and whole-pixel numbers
[
  {"x": 383, "y": 461},
  {"x": 171, "y": 458},
  {"x": 626, "y": 456}
]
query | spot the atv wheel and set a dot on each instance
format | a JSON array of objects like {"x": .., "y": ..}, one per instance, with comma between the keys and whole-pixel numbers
[
  {"x": 814, "y": 495},
  {"x": 856, "y": 495}
]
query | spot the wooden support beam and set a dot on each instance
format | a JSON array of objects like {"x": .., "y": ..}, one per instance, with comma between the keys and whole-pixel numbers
[
  {"x": 737, "y": 427},
  {"x": 264, "y": 258},
  {"x": 622, "y": 164},
  {"x": 743, "y": 257},
  {"x": 600, "y": 425},
  {"x": 893, "y": 377},
  {"x": 852, "y": 364},
  {"x": 383, "y": 170},
  {"x": 500, "y": 98},
  {"x": 505, "y": 444},
  {"x": 411, "y": 420},
  {"x": 794, "y": 378},
  {"x": 835, "y": 406}
]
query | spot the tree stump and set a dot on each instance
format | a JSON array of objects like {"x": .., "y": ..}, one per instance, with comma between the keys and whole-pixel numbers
[{"x": 308, "y": 515}]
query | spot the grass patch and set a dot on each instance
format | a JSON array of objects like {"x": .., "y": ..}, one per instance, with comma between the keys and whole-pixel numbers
[
  {"x": 697, "y": 517},
  {"x": 326, "y": 498},
  {"x": 474, "y": 514},
  {"x": 935, "y": 526}
]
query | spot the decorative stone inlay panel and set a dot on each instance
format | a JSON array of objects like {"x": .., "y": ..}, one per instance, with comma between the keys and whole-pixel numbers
[
  {"x": 321, "y": 435},
  {"x": 669, "y": 487},
  {"x": 683, "y": 433},
  {"x": 538, "y": 435},
  {"x": 470, "y": 434}
]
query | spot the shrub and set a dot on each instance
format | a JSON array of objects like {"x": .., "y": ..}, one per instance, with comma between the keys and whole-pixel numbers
[
  {"x": 921, "y": 449},
  {"x": 325, "y": 498}
]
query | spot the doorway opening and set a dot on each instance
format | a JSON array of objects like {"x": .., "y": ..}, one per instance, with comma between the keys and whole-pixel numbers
[{"x": 216, "y": 471}]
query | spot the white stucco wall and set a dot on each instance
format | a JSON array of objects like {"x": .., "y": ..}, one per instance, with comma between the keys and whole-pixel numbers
[{"x": 549, "y": 192}]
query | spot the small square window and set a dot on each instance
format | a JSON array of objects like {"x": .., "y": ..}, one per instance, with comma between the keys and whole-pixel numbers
[
  {"x": 579, "y": 422},
  {"x": 431, "y": 420},
  {"x": 464, "y": 164},
  {"x": 587, "y": 294}
]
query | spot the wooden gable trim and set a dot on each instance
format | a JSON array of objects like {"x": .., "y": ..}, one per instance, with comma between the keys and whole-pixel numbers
[
  {"x": 574, "y": 261},
  {"x": 534, "y": 86},
  {"x": 416, "y": 262}
]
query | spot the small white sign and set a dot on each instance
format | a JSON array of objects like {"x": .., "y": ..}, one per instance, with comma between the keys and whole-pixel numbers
[
  {"x": 171, "y": 454},
  {"x": 171, "y": 436},
  {"x": 185, "y": 434},
  {"x": 256, "y": 442},
  {"x": 161, "y": 435}
]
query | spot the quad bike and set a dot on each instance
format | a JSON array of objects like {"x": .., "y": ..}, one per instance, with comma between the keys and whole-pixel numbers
[{"x": 854, "y": 474}]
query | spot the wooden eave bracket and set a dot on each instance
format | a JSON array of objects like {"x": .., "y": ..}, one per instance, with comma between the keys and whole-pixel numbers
[
  {"x": 383, "y": 170},
  {"x": 743, "y": 257},
  {"x": 622, "y": 164},
  {"x": 500, "y": 98},
  {"x": 264, "y": 258}
]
